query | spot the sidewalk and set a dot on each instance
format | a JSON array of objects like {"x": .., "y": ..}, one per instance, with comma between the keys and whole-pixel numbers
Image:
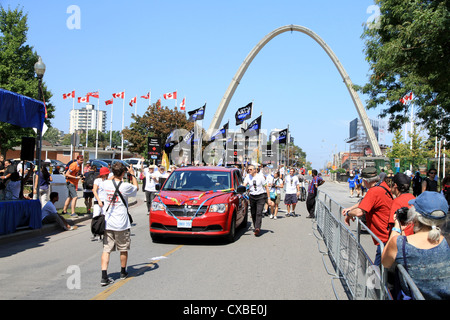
[{"x": 23, "y": 233}]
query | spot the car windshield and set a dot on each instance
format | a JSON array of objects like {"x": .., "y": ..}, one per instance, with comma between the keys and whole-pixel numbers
[{"x": 197, "y": 181}]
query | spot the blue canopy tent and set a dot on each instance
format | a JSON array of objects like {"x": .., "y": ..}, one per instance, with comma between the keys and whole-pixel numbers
[{"x": 24, "y": 112}]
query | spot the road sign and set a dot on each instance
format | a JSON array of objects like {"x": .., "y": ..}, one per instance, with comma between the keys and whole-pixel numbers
[{"x": 154, "y": 148}]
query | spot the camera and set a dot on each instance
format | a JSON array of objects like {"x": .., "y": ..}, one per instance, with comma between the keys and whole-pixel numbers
[{"x": 402, "y": 215}]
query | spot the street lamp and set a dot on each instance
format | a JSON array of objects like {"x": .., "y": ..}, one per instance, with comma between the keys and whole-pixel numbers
[{"x": 39, "y": 69}]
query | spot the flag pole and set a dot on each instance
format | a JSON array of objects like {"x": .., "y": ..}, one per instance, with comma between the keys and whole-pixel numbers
[
  {"x": 123, "y": 120},
  {"x": 73, "y": 110},
  {"x": 110, "y": 128},
  {"x": 96, "y": 126}
]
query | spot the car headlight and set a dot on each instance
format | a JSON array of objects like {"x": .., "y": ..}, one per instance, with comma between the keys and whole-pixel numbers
[
  {"x": 218, "y": 208},
  {"x": 157, "y": 206}
]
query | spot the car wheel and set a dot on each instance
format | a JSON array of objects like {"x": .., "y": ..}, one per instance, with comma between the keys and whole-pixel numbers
[{"x": 232, "y": 234}]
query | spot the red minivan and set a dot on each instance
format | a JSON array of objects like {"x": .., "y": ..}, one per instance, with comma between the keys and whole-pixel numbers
[{"x": 199, "y": 201}]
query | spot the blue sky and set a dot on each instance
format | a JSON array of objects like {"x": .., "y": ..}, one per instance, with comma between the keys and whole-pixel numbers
[{"x": 196, "y": 47}]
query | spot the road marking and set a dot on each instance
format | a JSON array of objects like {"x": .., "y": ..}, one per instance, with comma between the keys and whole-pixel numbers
[{"x": 114, "y": 287}]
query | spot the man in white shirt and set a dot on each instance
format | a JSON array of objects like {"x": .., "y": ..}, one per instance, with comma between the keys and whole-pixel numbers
[
  {"x": 292, "y": 192},
  {"x": 50, "y": 214},
  {"x": 117, "y": 234}
]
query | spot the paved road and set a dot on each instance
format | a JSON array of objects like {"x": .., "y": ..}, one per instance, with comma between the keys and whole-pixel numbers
[{"x": 283, "y": 263}]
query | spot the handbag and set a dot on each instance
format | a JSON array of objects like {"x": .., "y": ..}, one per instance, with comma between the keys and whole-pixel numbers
[{"x": 98, "y": 225}]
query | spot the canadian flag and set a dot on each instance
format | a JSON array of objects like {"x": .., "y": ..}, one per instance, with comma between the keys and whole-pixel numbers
[
  {"x": 406, "y": 98},
  {"x": 93, "y": 94},
  {"x": 83, "y": 99},
  {"x": 172, "y": 95},
  {"x": 132, "y": 101},
  {"x": 183, "y": 104},
  {"x": 69, "y": 95},
  {"x": 119, "y": 95},
  {"x": 147, "y": 96},
  {"x": 110, "y": 101}
]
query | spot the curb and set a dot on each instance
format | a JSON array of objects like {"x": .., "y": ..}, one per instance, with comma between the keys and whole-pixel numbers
[{"x": 23, "y": 233}]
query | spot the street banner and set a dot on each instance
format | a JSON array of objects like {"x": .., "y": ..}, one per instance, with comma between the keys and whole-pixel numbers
[{"x": 243, "y": 113}]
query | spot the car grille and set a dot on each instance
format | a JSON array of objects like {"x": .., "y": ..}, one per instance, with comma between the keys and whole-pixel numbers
[{"x": 186, "y": 210}]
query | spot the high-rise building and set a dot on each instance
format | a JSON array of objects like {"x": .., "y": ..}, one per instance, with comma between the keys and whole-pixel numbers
[
  {"x": 358, "y": 140},
  {"x": 85, "y": 119}
]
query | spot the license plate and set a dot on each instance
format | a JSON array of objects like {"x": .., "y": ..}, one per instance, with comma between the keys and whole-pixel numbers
[{"x": 184, "y": 223}]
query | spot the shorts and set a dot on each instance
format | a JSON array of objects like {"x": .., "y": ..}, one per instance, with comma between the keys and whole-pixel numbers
[
  {"x": 116, "y": 240},
  {"x": 277, "y": 199},
  {"x": 88, "y": 194},
  {"x": 290, "y": 198},
  {"x": 72, "y": 190}
]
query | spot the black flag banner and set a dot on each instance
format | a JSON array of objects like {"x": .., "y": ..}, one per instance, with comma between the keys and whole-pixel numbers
[
  {"x": 243, "y": 113},
  {"x": 221, "y": 133},
  {"x": 255, "y": 125},
  {"x": 197, "y": 114},
  {"x": 282, "y": 136}
]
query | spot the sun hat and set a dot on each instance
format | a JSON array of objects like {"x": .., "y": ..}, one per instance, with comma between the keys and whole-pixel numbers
[
  {"x": 104, "y": 171},
  {"x": 369, "y": 172},
  {"x": 429, "y": 202}
]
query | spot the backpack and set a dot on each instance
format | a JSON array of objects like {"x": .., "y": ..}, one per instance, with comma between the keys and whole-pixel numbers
[
  {"x": 89, "y": 180},
  {"x": 446, "y": 192}
]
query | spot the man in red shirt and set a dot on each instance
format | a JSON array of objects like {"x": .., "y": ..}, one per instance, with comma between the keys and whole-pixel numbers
[
  {"x": 376, "y": 205},
  {"x": 72, "y": 178}
]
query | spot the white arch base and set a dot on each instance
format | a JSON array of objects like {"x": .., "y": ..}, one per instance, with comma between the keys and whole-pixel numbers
[{"x": 217, "y": 119}]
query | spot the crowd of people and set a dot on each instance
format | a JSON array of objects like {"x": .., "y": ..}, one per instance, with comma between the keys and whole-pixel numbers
[{"x": 409, "y": 226}]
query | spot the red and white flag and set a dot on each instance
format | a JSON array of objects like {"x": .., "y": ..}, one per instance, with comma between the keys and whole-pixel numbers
[
  {"x": 93, "y": 94},
  {"x": 69, "y": 95},
  {"x": 110, "y": 101},
  {"x": 147, "y": 96},
  {"x": 172, "y": 95},
  {"x": 119, "y": 95},
  {"x": 132, "y": 101},
  {"x": 158, "y": 104},
  {"x": 406, "y": 98},
  {"x": 183, "y": 104},
  {"x": 83, "y": 99}
]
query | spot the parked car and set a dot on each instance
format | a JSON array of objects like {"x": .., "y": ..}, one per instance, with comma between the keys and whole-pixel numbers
[
  {"x": 137, "y": 163},
  {"x": 192, "y": 202}
]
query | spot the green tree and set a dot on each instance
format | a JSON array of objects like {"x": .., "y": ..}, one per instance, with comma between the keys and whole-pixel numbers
[
  {"x": 17, "y": 61},
  {"x": 408, "y": 51},
  {"x": 156, "y": 122}
]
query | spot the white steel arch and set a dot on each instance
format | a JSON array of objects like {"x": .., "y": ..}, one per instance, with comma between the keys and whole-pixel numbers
[{"x": 217, "y": 119}]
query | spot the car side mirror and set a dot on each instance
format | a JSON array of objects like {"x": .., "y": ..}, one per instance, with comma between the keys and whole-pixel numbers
[
  {"x": 241, "y": 189},
  {"x": 157, "y": 187}
]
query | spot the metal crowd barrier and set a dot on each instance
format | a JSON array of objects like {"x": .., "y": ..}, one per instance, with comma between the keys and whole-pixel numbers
[
  {"x": 352, "y": 266},
  {"x": 360, "y": 278}
]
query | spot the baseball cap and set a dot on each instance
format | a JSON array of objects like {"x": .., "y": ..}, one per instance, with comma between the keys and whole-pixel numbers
[
  {"x": 369, "y": 172},
  {"x": 104, "y": 170},
  {"x": 428, "y": 202},
  {"x": 401, "y": 178}
]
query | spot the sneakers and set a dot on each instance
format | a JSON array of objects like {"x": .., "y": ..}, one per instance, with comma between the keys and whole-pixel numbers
[
  {"x": 123, "y": 275},
  {"x": 106, "y": 281}
]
